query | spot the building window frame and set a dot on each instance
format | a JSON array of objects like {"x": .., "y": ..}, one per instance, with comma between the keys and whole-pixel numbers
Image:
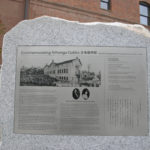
[
  {"x": 143, "y": 15},
  {"x": 105, "y": 4}
]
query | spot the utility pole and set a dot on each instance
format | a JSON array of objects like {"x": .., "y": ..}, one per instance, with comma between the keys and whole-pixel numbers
[{"x": 89, "y": 66}]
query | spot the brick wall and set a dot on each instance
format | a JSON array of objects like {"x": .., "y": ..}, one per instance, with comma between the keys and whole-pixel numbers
[
  {"x": 87, "y": 10},
  {"x": 12, "y": 11}
]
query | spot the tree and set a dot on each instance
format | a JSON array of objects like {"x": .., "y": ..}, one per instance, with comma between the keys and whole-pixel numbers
[{"x": 99, "y": 76}]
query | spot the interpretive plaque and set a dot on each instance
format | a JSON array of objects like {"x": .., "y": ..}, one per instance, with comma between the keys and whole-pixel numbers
[
  {"x": 57, "y": 32},
  {"x": 81, "y": 90}
]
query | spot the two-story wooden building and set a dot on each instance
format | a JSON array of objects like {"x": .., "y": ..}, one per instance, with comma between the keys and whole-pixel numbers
[{"x": 66, "y": 71}]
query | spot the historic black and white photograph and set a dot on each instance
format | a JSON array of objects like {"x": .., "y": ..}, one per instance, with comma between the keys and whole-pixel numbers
[{"x": 64, "y": 71}]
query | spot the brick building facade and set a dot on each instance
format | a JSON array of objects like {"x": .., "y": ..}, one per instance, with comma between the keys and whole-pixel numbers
[{"x": 127, "y": 11}]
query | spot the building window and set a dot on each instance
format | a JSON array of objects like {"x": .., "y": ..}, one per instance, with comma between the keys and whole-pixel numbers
[
  {"x": 144, "y": 13},
  {"x": 66, "y": 70},
  {"x": 105, "y": 4}
]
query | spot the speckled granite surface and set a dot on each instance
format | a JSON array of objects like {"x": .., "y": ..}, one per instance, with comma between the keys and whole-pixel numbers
[{"x": 55, "y": 31}]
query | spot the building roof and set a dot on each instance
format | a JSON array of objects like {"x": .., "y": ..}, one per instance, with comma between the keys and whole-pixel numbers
[{"x": 64, "y": 62}]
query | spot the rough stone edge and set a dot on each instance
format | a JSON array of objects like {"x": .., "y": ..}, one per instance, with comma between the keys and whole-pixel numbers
[{"x": 137, "y": 28}]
